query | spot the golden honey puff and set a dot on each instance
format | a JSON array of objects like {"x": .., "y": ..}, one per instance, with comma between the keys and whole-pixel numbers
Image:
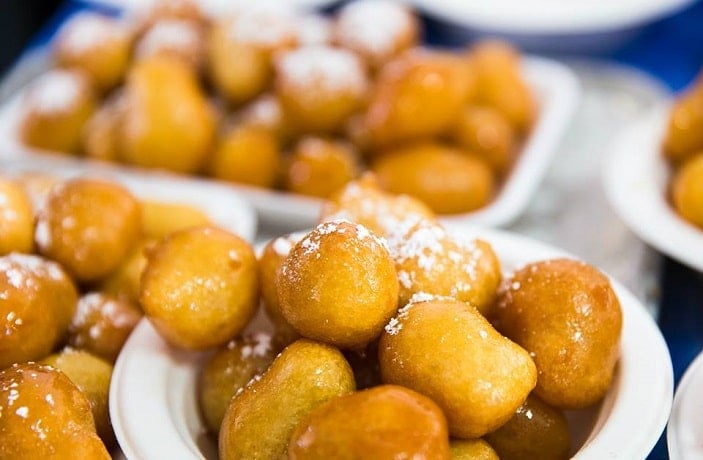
[
  {"x": 228, "y": 370},
  {"x": 683, "y": 137},
  {"x": 88, "y": 226},
  {"x": 269, "y": 263},
  {"x": 200, "y": 287},
  {"x": 566, "y": 314},
  {"x": 687, "y": 190},
  {"x": 168, "y": 122},
  {"x": 160, "y": 218},
  {"x": 250, "y": 74},
  {"x": 100, "y": 136},
  {"x": 364, "y": 202},
  {"x": 379, "y": 423},
  {"x": 338, "y": 285},
  {"x": 123, "y": 282},
  {"x": 486, "y": 133},
  {"x": 536, "y": 431},
  {"x": 500, "y": 83},
  {"x": 266, "y": 112},
  {"x": 449, "y": 352},
  {"x": 98, "y": 45},
  {"x": 319, "y": 88},
  {"x": 434, "y": 261},
  {"x": 260, "y": 420},
  {"x": 417, "y": 95},
  {"x": 168, "y": 10},
  {"x": 319, "y": 166},
  {"x": 102, "y": 324},
  {"x": 376, "y": 30},
  {"x": 38, "y": 303},
  {"x": 467, "y": 182},
  {"x": 91, "y": 375},
  {"x": 16, "y": 218},
  {"x": 246, "y": 154},
  {"x": 471, "y": 449},
  {"x": 44, "y": 415},
  {"x": 55, "y": 110}
]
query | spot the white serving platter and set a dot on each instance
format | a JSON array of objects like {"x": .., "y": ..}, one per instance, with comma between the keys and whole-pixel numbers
[
  {"x": 636, "y": 177},
  {"x": 155, "y": 415}
]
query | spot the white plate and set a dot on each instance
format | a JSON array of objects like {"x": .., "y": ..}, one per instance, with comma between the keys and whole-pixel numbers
[
  {"x": 635, "y": 177},
  {"x": 557, "y": 91},
  {"x": 549, "y": 17},
  {"x": 155, "y": 414},
  {"x": 684, "y": 434},
  {"x": 220, "y": 203}
]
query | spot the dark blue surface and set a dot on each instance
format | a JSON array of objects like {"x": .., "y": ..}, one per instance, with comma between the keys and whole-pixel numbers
[{"x": 672, "y": 51}]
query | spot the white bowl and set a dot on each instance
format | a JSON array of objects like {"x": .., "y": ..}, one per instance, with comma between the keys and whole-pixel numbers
[
  {"x": 550, "y": 25},
  {"x": 557, "y": 92},
  {"x": 635, "y": 177},
  {"x": 684, "y": 434},
  {"x": 220, "y": 203},
  {"x": 155, "y": 414}
]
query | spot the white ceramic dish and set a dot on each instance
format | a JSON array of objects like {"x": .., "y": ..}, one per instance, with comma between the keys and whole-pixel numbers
[
  {"x": 684, "y": 434},
  {"x": 550, "y": 24},
  {"x": 557, "y": 91},
  {"x": 220, "y": 203},
  {"x": 635, "y": 178},
  {"x": 155, "y": 415}
]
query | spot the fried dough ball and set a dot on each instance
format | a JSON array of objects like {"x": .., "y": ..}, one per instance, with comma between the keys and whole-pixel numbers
[
  {"x": 57, "y": 107},
  {"x": 447, "y": 350},
  {"x": 319, "y": 87},
  {"x": 378, "y": 30},
  {"x": 500, "y": 84},
  {"x": 180, "y": 39},
  {"x": 240, "y": 49},
  {"x": 471, "y": 449},
  {"x": 380, "y": 423},
  {"x": 228, "y": 370},
  {"x": 319, "y": 167},
  {"x": 684, "y": 132},
  {"x": 434, "y": 261},
  {"x": 447, "y": 179},
  {"x": 260, "y": 420},
  {"x": 123, "y": 282},
  {"x": 687, "y": 190},
  {"x": 44, "y": 415},
  {"x": 102, "y": 324},
  {"x": 200, "y": 288},
  {"x": 266, "y": 112},
  {"x": 100, "y": 138},
  {"x": 362, "y": 201},
  {"x": 247, "y": 154},
  {"x": 36, "y": 308},
  {"x": 153, "y": 12},
  {"x": 168, "y": 123},
  {"x": 537, "y": 431},
  {"x": 92, "y": 377},
  {"x": 338, "y": 285},
  {"x": 417, "y": 95},
  {"x": 314, "y": 29},
  {"x": 16, "y": 218},
  {"x": 88, "y": 226},
  {"x": 566, "y": 314},
  {"x": 161, "y": 218},
  {"x": 270, "y": 261},
  {"x": 96, "y": 44},
  {"x": 486, "y": 133}
]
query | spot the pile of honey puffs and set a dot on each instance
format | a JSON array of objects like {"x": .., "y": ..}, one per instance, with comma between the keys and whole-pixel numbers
[
  {"x": 683, "y": 150},
  {"x": 269, "y": 97}
]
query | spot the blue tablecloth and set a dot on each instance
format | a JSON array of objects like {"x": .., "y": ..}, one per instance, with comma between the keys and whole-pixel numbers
[{"x": 672, "y": 51}]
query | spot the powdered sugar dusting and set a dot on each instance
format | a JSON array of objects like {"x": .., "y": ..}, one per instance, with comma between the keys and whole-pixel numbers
[
  {"x": 265, "y": 111},
  {"x": 373, "y": 26},
  {"x": 170, "y": 35},
  {"x": 314, "y": 29},
  {"x": 323, "y": 68},
  {"x": 265, "y": 24},
  {"x": 258, "y": 348},
  {"x": 57, "y": 91},
  {"x": 89, "y": 32}
]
